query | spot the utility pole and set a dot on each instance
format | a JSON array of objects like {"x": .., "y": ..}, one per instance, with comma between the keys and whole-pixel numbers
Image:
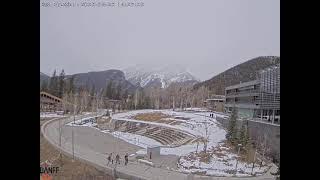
[
  {"x": 173, "y": 104},
  {"x": 60, "y": 133}
]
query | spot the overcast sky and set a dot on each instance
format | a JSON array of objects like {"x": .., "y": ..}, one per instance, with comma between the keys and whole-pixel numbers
[{"x": 205, "y": 36}]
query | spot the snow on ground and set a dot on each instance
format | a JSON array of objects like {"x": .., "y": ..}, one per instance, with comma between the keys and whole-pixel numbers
[
  {"x": 50, "y": 114},
  {"x": 197, "y": 109},
  {"x": 224, "y": 165},
  {"x": 135, "y": 139},
  {"x": 195, "y": 125}
]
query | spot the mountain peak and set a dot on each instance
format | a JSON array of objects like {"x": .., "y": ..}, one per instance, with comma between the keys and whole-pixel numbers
[{"x": 158, "y": 76}]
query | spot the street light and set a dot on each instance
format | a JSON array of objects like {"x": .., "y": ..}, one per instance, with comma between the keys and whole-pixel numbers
[
  {"x": 239, "y": 145},
  {"x": 74, "y": 118},
  {"x": 73, "y": 136},
  {"x": 254, "y": 159}
]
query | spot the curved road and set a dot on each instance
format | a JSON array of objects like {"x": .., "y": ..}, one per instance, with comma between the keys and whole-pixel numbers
[{"x": 91, "y": 146}]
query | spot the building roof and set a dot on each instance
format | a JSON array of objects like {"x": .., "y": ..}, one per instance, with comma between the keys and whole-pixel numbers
[
  {"x": 50, "y": 95},
  {"x": 215, "y": 99}
]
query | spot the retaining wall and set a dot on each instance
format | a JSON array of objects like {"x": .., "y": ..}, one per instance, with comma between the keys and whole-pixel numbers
[{"x": 258, "y": 130}]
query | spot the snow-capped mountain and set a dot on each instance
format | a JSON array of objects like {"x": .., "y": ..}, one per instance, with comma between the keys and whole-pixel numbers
[{"x": 158, "y": 76}]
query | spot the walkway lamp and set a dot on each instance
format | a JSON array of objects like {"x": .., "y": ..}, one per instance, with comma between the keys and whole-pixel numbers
[{"x": 239, "y": 146}]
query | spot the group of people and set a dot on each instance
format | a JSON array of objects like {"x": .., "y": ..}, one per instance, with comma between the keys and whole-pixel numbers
[
  {"x": 212, "y": 115},
  {"x": 117, "y": 159}
]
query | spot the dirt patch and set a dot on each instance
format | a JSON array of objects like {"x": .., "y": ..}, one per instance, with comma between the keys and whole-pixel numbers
[
  {"x": 175, "y": 123},
  {"x": 67, "y": 168},
  {"x": 204, "y": 157},
  {"x": 103, "y": 123},
  {"x": 182, "y": 118},
  {"x": 151, "y": 117},
  {"x": 200, "y": 173}
]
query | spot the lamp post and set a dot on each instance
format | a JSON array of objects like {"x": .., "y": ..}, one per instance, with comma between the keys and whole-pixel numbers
[
  {"x": 74, "y": 119},
  {"x": 239, "y": 145},
  {"x": 254, "y": 159}
]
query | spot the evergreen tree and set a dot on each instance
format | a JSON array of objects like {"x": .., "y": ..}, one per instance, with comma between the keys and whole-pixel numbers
[
  {"x": 109, "y": 90},
  {"x": 242, "y": 139},
  {"x": 125, "y": 94},
  {"x": 147, "y": 102},
  {"x": 93, "y": 90},
  {"x": 118, "y": 92},
  {"x": 61, "y": 84},
  {"x": 232, "y": 128},
  {"x": 44, "y": 86},
  {"x": 247, "y": 137},
  {"x": 53, "y": 84},
  {"x": 92, "y": 96},
  {"x": 70, "y": 87}
]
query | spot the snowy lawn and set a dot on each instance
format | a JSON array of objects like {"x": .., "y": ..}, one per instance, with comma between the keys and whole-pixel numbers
[
  {"x": 221, "y": 161},
  {"x": 51, "y": 114}
]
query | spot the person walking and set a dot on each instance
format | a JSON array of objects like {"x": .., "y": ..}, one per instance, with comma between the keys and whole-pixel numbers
[
  {"x": 126, "y": 159},
  {"x": 117, "y": 159},
  {"x": 109, "y": 158}
]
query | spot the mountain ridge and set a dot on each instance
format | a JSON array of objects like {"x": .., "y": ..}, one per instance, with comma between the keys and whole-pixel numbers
[
  {"x": 159, "y": 76},
  {"x": 242, "y": 72}
]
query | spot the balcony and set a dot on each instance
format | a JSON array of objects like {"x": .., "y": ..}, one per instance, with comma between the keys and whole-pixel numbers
[
  {"x": 246, "y": 93},
  {"x": 242, "y": 105}
]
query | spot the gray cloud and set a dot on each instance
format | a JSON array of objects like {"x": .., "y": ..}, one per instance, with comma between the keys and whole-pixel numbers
[{"x": 207, "y": 36}]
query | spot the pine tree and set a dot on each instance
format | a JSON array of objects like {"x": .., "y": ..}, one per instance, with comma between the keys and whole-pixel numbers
[
  {"x": 53, "y": 84},
  {"x": 91, "y": 97},
  {"x": 61, "y": 84},
  {"x": 93, "y": 90},
  {"x": 44, "y": 86},
  {"x": 232, "y": 128},
  {"x": 118, "y": 92},
  {"x": 70, "y": 85},
  {"x": 247, "y": 137},
  {"x": 242, "y": 139},
  {"x": 109, "y": 90},
  {"x": 125, "y": 94}
]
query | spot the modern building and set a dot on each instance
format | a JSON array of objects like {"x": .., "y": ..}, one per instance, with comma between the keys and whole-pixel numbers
[
  {"x": 216, "y": 103},
  {"x": 258, "y": 99}
]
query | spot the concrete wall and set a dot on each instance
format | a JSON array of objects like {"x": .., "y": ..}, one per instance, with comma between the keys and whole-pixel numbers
[
  {"x": 155, "y": 151},
  {"x": 258, "y": 130}
]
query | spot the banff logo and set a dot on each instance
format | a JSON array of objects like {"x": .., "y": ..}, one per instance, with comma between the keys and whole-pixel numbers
[{"x": 46, "y": 170}]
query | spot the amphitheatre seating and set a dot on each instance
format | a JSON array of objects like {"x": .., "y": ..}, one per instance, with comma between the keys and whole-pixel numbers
[
  {"x": 141, "y": 131},
  {"x": 168, "y": 139},
  {"x": 133, "y": 130},
  {"x": 161, "y": 140},
  {"x": 163, "y": 135}
]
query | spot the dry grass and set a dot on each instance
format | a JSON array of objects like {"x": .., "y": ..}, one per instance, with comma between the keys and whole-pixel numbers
[
  {"x": 246, "y": 155},
  {"x": 204, "y": 157},
  {"x": 175, "y": 122},
  {"x": 102, "y": 123},
  {"x": 67, "y": 168},
  {"x": 154, "y": 117},
  {"x": 201, "y": 173}
]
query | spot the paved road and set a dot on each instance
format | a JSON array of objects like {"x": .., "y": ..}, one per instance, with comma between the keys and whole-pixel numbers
[{"x": 91, "y": 146}]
